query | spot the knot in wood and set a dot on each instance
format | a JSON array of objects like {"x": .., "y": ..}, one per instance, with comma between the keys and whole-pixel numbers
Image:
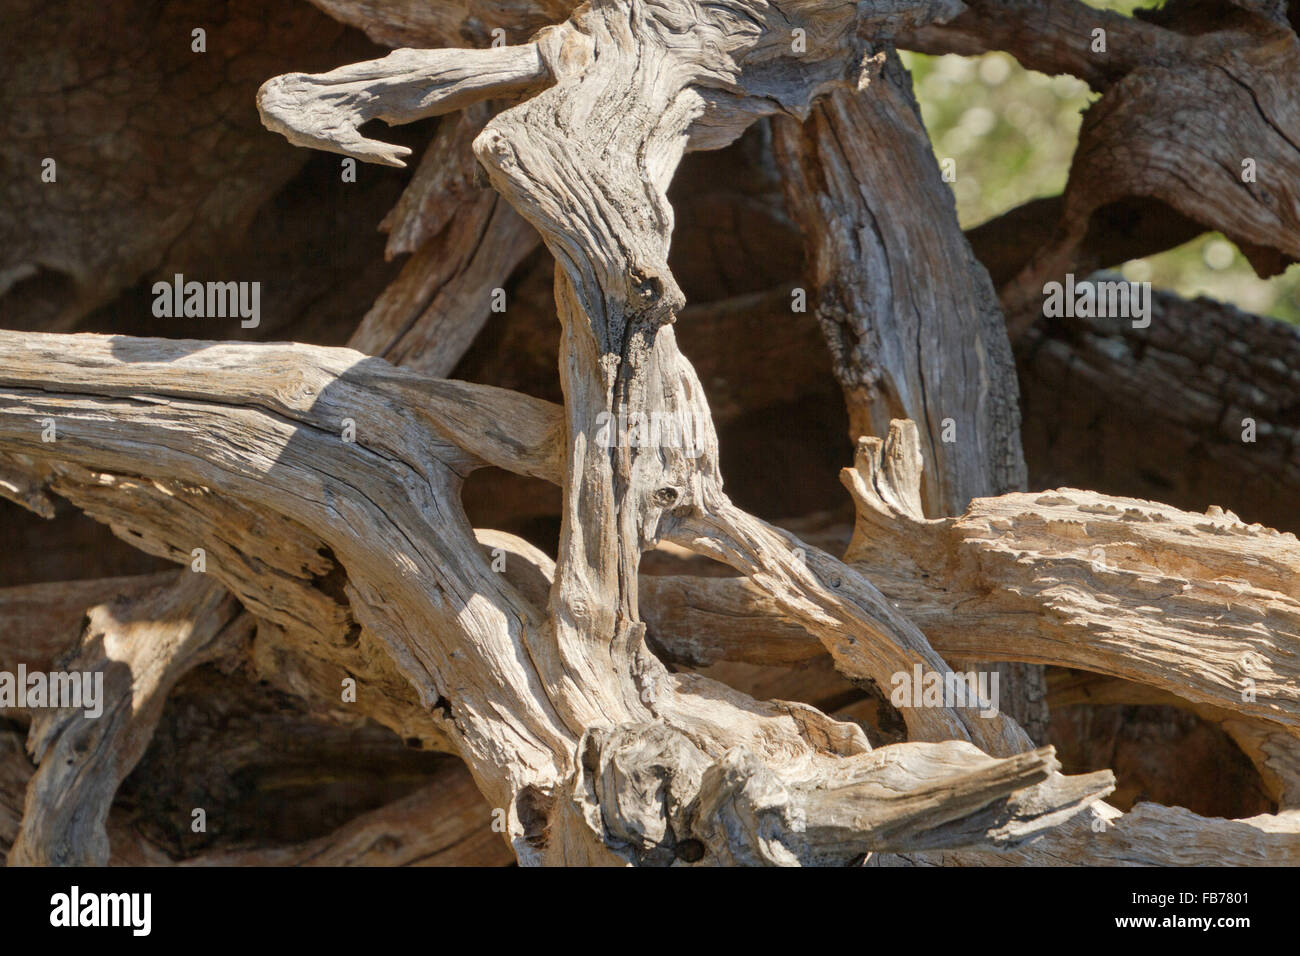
[{"x": 666, "y": 497}]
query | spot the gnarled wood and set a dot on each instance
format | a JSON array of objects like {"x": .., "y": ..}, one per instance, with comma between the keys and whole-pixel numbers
[
  {"x": 1187, "y": 98},
  {"x": 1167, "y": 412},
  {"x": 909, "y": 313},
  {"x": 139, "y": 650},
  {"x": 1203, "y": 606},
  {"x": 323, "y": 487},
  {"x": 222, "y": 461}
]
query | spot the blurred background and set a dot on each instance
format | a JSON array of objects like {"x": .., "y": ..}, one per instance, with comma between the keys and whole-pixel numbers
[
  {"x": 1012, "y": 133},
  {"x": 164, "y": 168}
]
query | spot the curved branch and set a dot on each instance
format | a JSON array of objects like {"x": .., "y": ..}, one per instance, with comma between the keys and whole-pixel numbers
[
  {"x": 273, "y": 449},
  {"x": 326, "y": 110},
  {"x": 1203, "y": 606}
]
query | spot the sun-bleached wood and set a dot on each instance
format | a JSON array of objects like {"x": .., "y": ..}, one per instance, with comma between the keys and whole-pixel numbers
[
  {"x": 259, "y": 454},
  {"x": 544, "y": 679},
  {"x": 141, "y": 647},
  {"x": 1203, "y": 606}
]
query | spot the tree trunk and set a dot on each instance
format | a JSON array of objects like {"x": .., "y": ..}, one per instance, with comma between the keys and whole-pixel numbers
[{"x": 465, "y": 610}]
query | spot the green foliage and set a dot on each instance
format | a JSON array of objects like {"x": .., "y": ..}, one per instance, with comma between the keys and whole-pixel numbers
[{"x": 1012, "y": 133}]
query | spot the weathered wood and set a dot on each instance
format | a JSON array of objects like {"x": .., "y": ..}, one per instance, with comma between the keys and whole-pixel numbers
[
  {"x": 1203, "y": 606},
  {"x": 1187, "y": 98},
  {"x": 258, "y": 454},
  {"x": 1050, "y": 36},
  {"x": 1150, "y": 835},
  {"x": 909, "y": 313},
  {"x": 1167, "y": 412},
  {"x": 139, "y": 649},
  {"x": 43, "y": 621},
  {"x": 324, "y": 486},
  {"x": 286, "y": 452},
  {"x": 325, "y": 110}
]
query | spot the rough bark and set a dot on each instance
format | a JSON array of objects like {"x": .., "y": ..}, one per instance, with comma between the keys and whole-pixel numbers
[
  {"x": 908, "y": 312},
  {"x": 1190, "y": 93},
  {"x": 228, "y": 463},
  {"x": 1167, "y": 412},
  {"x": 324, "y": 486}
]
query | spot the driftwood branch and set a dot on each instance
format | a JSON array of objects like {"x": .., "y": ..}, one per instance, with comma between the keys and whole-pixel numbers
[
  {"x": 315, "y": 494},
  {"x": 261, "y": 451}
]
